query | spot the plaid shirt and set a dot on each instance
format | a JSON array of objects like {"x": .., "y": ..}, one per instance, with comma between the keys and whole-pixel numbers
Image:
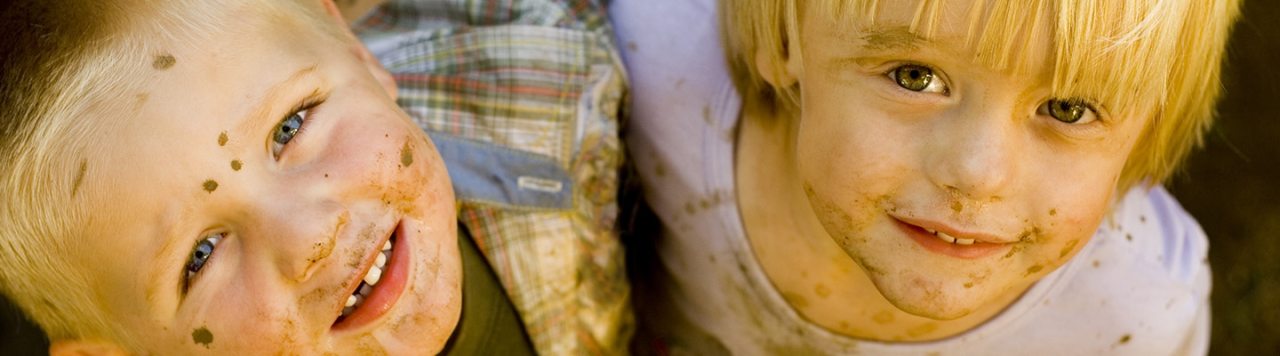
[{"x": 521, "y": 98}]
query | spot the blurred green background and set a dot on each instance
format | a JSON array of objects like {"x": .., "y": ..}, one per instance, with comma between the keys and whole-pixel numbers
[{"x": 1232, "y": 186}]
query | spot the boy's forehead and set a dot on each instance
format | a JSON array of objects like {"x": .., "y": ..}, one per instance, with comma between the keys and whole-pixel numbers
[{"x": 1106, "y": 57}]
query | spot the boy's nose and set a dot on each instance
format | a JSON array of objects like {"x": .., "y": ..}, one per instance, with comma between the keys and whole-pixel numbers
[
  {"x": 975, "y": 155},
  {"x": 298, "y": 236}
]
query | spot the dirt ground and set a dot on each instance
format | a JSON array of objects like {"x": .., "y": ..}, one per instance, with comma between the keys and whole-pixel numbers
[{"x": 1233, "y": 188}]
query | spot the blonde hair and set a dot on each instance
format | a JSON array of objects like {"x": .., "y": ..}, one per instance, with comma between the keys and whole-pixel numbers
[
  {"x": 65, "y": 61},
  {"x": 1163, "y": 55}
]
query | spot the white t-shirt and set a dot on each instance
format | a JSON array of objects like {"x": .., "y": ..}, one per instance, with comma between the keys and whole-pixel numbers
[{"x": 1140, "y": 287}]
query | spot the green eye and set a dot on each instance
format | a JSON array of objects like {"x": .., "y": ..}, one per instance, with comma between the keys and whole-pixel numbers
[
  {"x": 919, "y": 78},
  {"x": 913, "y": 77},
  {"x": 1069, "y": 111}
]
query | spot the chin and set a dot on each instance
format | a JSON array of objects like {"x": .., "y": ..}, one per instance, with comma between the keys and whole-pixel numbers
[{"x": 936, "y": 300}]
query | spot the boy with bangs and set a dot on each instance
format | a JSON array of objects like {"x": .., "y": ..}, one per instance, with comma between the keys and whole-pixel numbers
[
  {"x": 220, "y": 177},
  {"x": 926, "y": 177}
]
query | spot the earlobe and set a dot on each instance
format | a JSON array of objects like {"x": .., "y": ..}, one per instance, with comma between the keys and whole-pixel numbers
[
  {"x": 85, "y": 347},
  {"x": 779, "y": 75}
]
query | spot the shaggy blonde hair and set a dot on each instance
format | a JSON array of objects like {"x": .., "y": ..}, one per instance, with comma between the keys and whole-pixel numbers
[
  {"x": 65, "y": 61},
  {"x": 1159, "y": 55}
]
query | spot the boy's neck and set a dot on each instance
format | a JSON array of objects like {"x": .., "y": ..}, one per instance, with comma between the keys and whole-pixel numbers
[{"x": 814, "y": 274}]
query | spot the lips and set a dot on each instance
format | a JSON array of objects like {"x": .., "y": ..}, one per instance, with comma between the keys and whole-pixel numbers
[
  {"x": 953, "y": 244},
  {"x": 376, "y": 288}
]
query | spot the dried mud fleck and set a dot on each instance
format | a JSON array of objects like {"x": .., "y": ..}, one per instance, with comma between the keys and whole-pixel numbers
[
  {"x": 1125, "y": 339},
  {"x": 236, "y": 165},
  {"x": 75, "y": 186},
  {"x": 202, "y": 336},
  {"x": 406, "y": 155},
  {"x": 210, "y": 185},
  {"x": 1053, "y": 212},
  {"x": 222, "y": 139},
  {"x": 1067, "y": 249},
  {"x": 1033, "y": 269},
  {"x": 821, "y": 290},
  {"x": 164, "y": 61}
]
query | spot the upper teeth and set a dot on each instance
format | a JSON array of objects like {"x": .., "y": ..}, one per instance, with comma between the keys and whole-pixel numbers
[
  {"x": 950, "y": 239},
  {"x": 370, "y": 280}
]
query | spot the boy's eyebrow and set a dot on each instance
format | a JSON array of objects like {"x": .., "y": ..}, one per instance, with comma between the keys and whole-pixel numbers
[
  {"x": 263, "y": 108},
  {"x": 898, "y": 39},
  {"x": 891, "y": 39}
]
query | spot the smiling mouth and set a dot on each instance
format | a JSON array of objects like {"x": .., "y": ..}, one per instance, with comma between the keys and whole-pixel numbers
[
  {"x": 380, "y": 286},
  {"x": 370, "y": 280},
  {"x": 943, "y": 243}
]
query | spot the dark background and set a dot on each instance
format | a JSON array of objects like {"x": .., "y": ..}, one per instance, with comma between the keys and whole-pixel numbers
[{"x": 1232, "y": 186}]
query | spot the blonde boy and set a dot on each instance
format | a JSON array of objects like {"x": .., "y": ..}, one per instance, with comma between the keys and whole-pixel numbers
[
  {"x": 241, "y": 177},
  {"x": 922, "y": 177}
]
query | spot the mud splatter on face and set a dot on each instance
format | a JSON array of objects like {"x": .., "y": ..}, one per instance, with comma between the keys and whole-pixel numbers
[
  {"x": 202, "y": 336},
  {"x": 210, "y": 185},
  {"x": 75, "y": 186},
  {"x": 1125, "y": 339},
  {"x": 222, "y": 139},
  {"x": 1033, "y": 269},
  {"x": 968, "y": 285},
  {"x": 1053, "y": 212},
  {"x": 1067, "y": 249},
  {"x": 163, "y": 61},
  {"x": 883, "y": 317},
  {"x": 236, "y": 165},
  {"x": 821, "y": 290},
  {"x": 406, "y": 155},
  {"x": 957, "y": 207}
]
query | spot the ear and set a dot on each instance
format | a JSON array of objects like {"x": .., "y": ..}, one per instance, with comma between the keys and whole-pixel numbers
[
  {"x": 85, "y": 348},
  {"x": 370, "y": 62},
  {"x": 782, "y": 76}
]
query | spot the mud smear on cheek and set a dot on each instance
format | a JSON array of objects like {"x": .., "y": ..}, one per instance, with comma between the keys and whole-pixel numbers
[{"x": 202, "y": 336}]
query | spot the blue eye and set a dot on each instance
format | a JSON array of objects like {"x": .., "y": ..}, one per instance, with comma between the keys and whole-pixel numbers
[
  {"x": 287, "y": 130},
  {"x": 200, "y": 255}
]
